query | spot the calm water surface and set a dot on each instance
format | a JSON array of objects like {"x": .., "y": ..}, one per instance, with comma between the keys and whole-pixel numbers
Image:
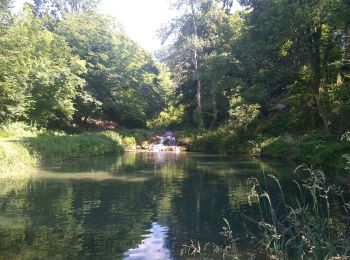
[{"x": 134, "y": 206}]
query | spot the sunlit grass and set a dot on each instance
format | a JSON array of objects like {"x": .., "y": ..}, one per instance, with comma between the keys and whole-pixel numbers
[
  {"x": 23, "y": 148},
  {"x": 62, "y": 147},
  {"x": 15, "y": 160},
  {"x": 17, "y": 130}
]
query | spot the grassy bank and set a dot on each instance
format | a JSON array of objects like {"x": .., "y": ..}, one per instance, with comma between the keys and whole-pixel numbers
[
  {"x": 51, "y": 147},
  {"x": 22, "y": 149},
  {"x": 314, "y": 148},
  {"x": 15, "y": 159}
]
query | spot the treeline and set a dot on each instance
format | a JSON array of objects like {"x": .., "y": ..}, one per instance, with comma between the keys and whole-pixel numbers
[
  {"x": 62, "y": 62},
  {"x": 284, "y": 63}
]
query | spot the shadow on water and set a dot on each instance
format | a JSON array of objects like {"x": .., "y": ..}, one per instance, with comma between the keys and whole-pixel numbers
[{"x": 134, "y": 206}]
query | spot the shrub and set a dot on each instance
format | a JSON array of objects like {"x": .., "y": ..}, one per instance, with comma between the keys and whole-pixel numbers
[
  {"x": 129, "y": 143},
  {"x": 276, "y": 147},
  {"x": 323, "y": 149},
  {"x": 168, "y": 119}
]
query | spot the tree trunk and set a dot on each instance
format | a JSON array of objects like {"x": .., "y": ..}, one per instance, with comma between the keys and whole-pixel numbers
[
  {"x": 316, "y": 83},
  {"x": 347, "y": 50},
  {"x": 196, "y": 78},
  {"x": 214, "y": 106},
  {"x": 85, "y": 119}
]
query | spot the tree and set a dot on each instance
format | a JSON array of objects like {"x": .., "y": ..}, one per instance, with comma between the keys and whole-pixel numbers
[
  {"x": 190, "y": 40},
  {"x": 59, "y": 8},
  {"x": 287, "y": 37},
  {"x": 122, "y": 82},
  {"x": 38, "y": 76},
  {"x": 4, "y": 10}
]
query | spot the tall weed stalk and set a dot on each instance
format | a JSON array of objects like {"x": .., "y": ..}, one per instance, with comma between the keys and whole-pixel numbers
[{"x": 315, "y": 225}]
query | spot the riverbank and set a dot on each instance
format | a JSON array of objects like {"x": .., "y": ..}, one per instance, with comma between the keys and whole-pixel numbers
[
  {"x": 314, "y": 148},
  {"x": 22, "y": 150}
]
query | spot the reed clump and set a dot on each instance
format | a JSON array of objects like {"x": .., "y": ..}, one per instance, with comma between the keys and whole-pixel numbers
[{"x": 315, "y": 225}]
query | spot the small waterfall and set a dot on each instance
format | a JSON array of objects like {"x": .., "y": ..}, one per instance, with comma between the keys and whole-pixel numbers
[{"x": 167, "y": 142}]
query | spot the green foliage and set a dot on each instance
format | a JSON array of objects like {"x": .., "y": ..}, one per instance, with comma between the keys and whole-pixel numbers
[
  {"x": 278, "y": 148},
  {"x": 140, "y": 135},
  {"x": 61, "y": 62},
  {"x": 318, "y": 149},
  {"x": 242, "y": 115},
  {"x": 59, "y": 8},
  {"x": 123, "y": 82},
  {"x": 169, "y": 118},
  {"x": 323, "y": 150},
  {"x": 17, "y": 130},
  {"x": 38, "y": 76},
  {"x": 129, "y": 143}
]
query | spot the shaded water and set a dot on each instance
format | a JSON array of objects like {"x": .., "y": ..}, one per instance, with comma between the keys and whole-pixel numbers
[{"x": 134, "y": 206}]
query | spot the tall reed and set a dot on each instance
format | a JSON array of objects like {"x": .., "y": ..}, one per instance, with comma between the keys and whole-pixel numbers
[{"x": 316, "y": 224}]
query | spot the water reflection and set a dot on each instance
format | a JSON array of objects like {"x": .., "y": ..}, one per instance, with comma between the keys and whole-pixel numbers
[
  {"x": 152, "y": 247},
  {"x": 100, "y": 208}
]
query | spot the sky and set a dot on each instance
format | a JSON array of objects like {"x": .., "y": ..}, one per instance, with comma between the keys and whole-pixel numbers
[{"x": 140, "y": 18}]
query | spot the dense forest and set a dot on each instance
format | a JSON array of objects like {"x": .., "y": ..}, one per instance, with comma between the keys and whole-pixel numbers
[
  {"x": 62, "y": 62},
  {"x": 286, "y": 62},
  {"x": 272, "y": 77}
]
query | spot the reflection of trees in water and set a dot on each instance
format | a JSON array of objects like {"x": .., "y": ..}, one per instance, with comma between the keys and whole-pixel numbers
[
  {"x": 81, "y": 218},
  {"x": 68, "y": 220},
  {"x": 212, "y": 188}
]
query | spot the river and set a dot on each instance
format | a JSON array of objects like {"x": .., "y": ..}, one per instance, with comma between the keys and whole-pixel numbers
[{"x": 132, "y": 206}]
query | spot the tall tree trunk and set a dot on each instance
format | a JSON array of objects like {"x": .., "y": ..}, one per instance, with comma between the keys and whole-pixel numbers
[
  {"x": 196, "y": 77},
  {"x": 347, "y": 50},
  {"x": 214, "y": 106},
  {"x": 316, "y": 82}
]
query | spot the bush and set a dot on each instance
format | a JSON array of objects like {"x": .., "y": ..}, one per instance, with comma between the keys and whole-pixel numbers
[
  {"x": 140, "y": 135},
  {"x": 323, "y": 150},
  {"x": 276, "y": 147},
  {"x": 129, "y": 143},
  {"x": 168, "y": 119}
]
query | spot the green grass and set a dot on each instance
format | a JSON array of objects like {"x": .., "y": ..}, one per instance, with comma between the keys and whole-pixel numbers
[
  {"x": 15, "y": 160},
  {"x": 62, "y": 147},
  {"x": 22, "y": 148},
  {"x": 17, "y": 130}
]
